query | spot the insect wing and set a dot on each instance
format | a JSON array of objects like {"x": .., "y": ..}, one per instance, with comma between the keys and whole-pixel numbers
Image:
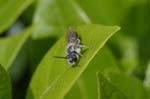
[{"x": 72, "y": 36}]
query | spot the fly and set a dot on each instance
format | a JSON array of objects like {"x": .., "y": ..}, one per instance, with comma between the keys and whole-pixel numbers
[{"x": 73, "y": 48}]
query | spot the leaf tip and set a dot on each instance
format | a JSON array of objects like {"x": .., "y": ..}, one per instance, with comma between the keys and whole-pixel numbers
[{"x": 117, "y": 28}]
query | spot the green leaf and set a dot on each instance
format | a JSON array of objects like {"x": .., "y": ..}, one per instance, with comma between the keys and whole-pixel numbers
[
  {"x": 129, "y": 49},
  {"x": 104, "y": 12},
  {"x": 78, "y": 90},
  {"x": 86, "y": 86},
  {"x": 10, "y": 11},
  {"x": 109, "y": 12},
  {"x": 5, "y": 85},
  {"x": 119, "y": 86},
  {"x": 10, "y": 47},
  {"x": 147, "y": 77},
  {"x": 107, "y": 90},
  {"x": 54, "y": 77}
]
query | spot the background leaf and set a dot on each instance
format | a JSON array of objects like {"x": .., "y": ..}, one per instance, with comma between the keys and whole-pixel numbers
[
  {"x": 10, "y": 11},
  {"x": 108, "y": 90},
  {"x": 58, "y": 18},
  {"x": 10, "y": 47},
  {"x": 60, "y": 76},
  {"x": 147, "y": 77},
  {"x": 5, "y": 85},
  {"x": 118, "y": 85}
]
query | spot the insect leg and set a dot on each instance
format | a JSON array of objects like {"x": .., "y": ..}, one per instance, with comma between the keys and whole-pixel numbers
[
  {"x": 80, "y": 54},
  {"x": 83, "y": 46}
]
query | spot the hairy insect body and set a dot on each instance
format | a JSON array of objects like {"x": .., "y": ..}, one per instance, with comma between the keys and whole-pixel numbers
[{"x": 73, "y": 47}]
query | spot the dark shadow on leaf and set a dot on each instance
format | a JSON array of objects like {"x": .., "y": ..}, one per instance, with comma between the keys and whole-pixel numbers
[{"x": 38, "y": 48}]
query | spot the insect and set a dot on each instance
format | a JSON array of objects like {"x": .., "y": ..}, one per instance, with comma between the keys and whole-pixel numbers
[{"x": 73, "y": 49}]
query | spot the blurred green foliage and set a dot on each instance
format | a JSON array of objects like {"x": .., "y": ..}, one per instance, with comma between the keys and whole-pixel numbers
[
  {"x": 122, "y": 63},
  {"x": 5, "y": 84}
]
